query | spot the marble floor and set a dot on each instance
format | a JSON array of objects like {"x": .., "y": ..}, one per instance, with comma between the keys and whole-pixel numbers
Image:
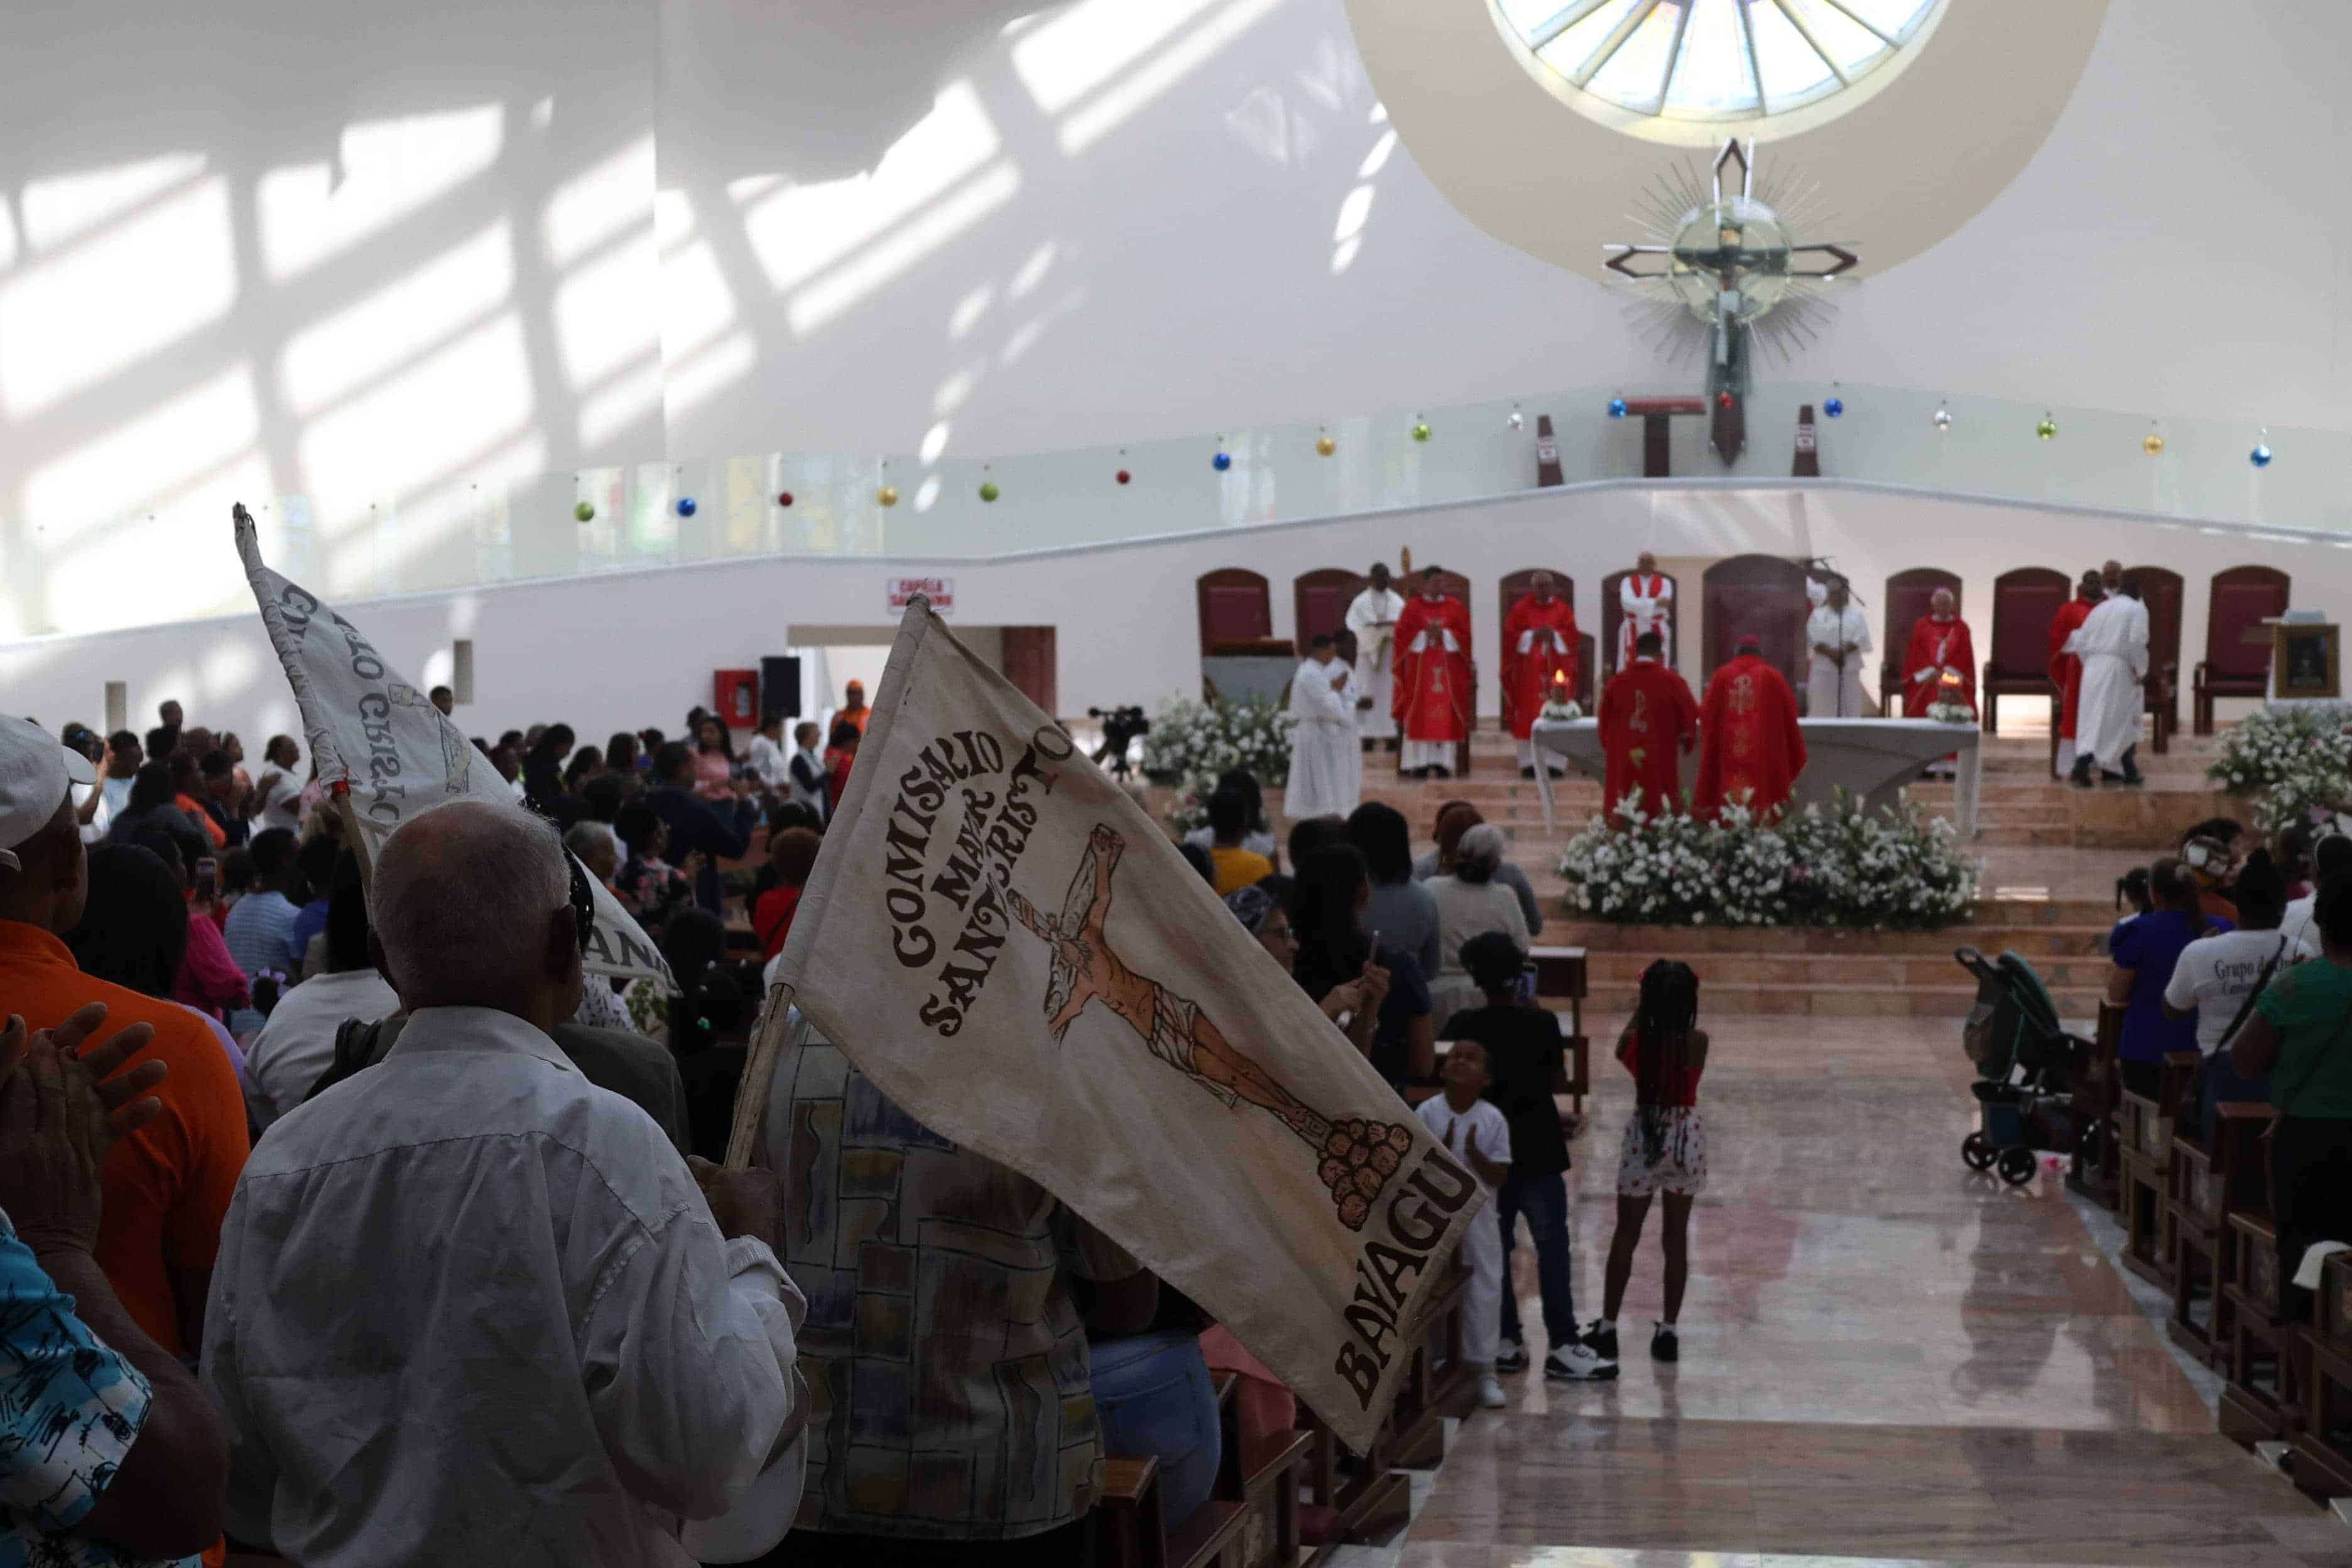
[{"x": 1885, "y": 1360}]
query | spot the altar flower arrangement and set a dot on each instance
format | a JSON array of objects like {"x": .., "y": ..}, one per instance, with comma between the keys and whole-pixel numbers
[
  {"x": 1839, "y": 866},
  {"x": 2294, "y": 764},
  {"x": 1192, "y": 742}
]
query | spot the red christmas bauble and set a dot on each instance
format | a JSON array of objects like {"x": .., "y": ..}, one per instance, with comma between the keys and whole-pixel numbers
[
  {"x": 1124, "y": 475},
  {"x": 1723, "y": 399},
  {"x": 785, "y": 498}
]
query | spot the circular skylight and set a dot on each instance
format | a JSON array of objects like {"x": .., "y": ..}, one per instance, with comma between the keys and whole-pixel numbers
[{"x": 1713, "y": 59}]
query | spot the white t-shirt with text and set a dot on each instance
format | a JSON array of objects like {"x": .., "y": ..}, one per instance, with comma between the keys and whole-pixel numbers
[{"x": 2216, "y": 973}]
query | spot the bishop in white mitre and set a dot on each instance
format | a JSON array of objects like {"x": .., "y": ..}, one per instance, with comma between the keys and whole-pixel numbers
[
  {"x": 2112, "y": 643},
  {"x": 1837, "y": 635},
  {"x": 1327, "y": 762},
  {"x": 1645, "y": 599},
  {"x": 1372, "y": 618}
]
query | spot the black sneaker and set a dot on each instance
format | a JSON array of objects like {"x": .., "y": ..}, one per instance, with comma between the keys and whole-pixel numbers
[
  {"x": 1511, "y": 1357},
  {"x": 1577, "y": 1363},
  {"x": 1665, "y": 1346},
  {"x": 1601, "y": 1341}
]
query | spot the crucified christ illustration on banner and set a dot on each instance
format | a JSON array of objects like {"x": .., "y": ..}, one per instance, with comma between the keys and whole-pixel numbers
[{"x": 1358, "y": 1155}]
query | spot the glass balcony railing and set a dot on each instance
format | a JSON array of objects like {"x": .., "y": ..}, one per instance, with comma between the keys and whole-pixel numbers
[{"x": 176, "y": 562}]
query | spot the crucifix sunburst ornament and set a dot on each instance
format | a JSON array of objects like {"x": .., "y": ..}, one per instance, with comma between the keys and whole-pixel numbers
[{"x": 1731, "y": 269}]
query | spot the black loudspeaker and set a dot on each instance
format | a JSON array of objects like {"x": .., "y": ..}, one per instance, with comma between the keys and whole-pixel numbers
[{"x": 780, "y": 687}]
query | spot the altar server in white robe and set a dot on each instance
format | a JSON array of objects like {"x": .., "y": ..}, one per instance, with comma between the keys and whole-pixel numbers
[
  {"x": 1838, "y": 636},
  {"x": 1327, "y": 764},
  {"x": 1645, "y": 598},
  {"x": 1372, "y": 618},
  {"x": 2112, "y": 643}
]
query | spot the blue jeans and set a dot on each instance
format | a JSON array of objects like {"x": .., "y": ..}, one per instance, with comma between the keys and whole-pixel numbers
[
  {"x": 1153, "y": 1395},
  {"x": 1544, "y": 1200},
  {"x": 2222, "y": 1085}
]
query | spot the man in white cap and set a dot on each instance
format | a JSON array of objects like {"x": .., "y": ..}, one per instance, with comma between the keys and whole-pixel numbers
[{"x": 166, "y": 1186}]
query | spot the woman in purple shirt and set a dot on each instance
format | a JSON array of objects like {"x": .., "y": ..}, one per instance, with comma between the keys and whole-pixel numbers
[{"x": 2145, "y": 948}]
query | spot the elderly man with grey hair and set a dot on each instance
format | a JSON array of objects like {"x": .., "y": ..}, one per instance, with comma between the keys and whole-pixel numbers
[
  {"x": 470, "y": 1307},
  {"x": 1471, "y": 902}
]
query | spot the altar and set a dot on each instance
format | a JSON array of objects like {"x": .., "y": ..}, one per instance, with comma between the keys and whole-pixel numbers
[{"x": 1871, "y": 759}]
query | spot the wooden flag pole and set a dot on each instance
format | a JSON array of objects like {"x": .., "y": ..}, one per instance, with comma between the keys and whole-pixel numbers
[
  {"x": 758, "y": 1076},
  {"x": 353, "y": 840}
]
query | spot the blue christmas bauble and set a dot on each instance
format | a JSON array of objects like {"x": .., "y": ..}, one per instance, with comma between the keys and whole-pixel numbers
[
  {"x": 1616, "y": 409},
  {"x": 686, "y": 506},
  {"x": 1834, "y": 407},
  {"x": 1222, "y": 461},
  {"x": 2261, "y": 456}
]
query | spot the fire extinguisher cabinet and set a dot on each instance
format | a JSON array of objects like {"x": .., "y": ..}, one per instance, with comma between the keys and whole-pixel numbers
[{"x": 735, "y": 697}]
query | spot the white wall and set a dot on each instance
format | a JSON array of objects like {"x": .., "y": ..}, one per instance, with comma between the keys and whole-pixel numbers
[{"x": 624, "y": 652}]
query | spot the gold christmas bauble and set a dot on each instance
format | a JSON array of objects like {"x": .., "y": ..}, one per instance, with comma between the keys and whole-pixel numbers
[
  {"x": 887, "y": 495},
  {"x": 1326, "y": 446},
  {"x": 2151, "y": 444}
]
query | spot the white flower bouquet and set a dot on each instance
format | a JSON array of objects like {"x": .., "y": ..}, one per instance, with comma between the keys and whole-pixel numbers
[
  {"x": 1842, "y": 867},
  {"x": 1192, "y": 742},
  {"x": 2293, "y": 763}
]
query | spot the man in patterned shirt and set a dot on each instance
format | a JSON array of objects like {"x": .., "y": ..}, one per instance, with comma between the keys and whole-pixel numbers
[{"x": 110, "y": 1454}]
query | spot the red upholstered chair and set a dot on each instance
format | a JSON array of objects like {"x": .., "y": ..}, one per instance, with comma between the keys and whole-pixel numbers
[
  {"x": 1909, "y": 595},
  {"x": 1319, "y": 601},
  {"x": 1764, "y": 595},
  {"x": 2160, "y": 591},
  {"x": 1612, "y": 612},
  {"x": 1518, "y": 585},
  {"x": 1234, "y": 608},
  {"x": 1585, "y": 673},
  {"x": 2243, "y": 597},
  {"x": 2024, "y": 601}
]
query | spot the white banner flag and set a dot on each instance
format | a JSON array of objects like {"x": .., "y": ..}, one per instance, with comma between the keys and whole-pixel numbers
[
  {"x": 1013, "y": 952},
  {"x": 370, "y": 729}
]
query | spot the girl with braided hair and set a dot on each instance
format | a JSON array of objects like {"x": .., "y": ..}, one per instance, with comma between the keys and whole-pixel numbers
[{"x": 1665, "y": 1150}]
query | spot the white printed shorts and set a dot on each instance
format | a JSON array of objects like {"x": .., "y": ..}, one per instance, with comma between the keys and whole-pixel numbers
[{"x": 1681, "y": 1168}]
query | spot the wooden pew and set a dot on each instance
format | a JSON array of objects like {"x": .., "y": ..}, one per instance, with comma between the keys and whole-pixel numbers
[
  {"x": 2323, "y": 1460},
  {"x": 1131, "y": 1526},
  {"x": 1561, "y": 976},
  {"x": 2146, "y": 1163},
  {"x": 2206, "y": 1187},
  {"x": 2097, "y": 1170}
]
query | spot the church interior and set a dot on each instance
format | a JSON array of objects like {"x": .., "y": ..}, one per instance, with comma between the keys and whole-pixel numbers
[{"x": 607, "y": 361}]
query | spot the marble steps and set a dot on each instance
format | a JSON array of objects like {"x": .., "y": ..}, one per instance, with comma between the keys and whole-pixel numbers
[
  {"x": 2038, "y": 943},
  {"x": 1855, "y": 972}
]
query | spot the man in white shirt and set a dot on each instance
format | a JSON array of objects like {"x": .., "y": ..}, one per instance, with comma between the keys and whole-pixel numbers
[
  {"x": 2331, "y": 858},
  {"x": 1327, "y": 765},
  {"x": 765, "y": 755},
  {"x": 2112, "y": 643},
  {"x": 1372, "y": 619},
  {"x": 279, "y": 790},
  {"x": 298, "y": 1044},
  {"x": 471, "y": 1309},
  {"x": 1839, "y": 636}
]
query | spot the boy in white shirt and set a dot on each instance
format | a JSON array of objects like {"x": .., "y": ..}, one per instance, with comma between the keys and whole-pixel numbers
[{"x": 1474, "y": 1131}]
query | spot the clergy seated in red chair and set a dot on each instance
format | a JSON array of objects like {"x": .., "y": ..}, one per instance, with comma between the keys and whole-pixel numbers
[
  {"x": 1909, "y": 595},
  {"x": 1939, "y": 667},
  {"x": 2243, "y": 597},
  {"x": 1539, "y": 651},
  {"x": 1753, "y": 748}
]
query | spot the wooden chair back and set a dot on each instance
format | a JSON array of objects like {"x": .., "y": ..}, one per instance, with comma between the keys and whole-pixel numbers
[
  {"x": 2025, "y": 602},
  {"x": 1319, "y": 601},
  {"x": 1762, "y": 594},
  {"x": 2242, "y": 598},
  {"x": 1236, "y": 608}
]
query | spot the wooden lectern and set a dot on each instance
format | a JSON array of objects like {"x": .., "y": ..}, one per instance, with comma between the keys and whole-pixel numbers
[{"x": 1657, "y": 458}]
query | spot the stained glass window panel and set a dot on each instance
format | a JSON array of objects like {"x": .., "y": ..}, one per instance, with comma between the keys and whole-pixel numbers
[{"x": 1712, "y": 75}]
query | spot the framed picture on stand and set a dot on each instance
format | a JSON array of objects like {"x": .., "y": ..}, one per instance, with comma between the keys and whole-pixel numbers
[{"x": 2306, "y": 661}]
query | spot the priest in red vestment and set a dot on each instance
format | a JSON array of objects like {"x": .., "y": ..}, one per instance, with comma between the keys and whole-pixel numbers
[
  {"x": 1432, "y": 696},
  {"x": 1939, "y": 647},
  {"x": 1753, "y": 749},
  {"x": 1538, "y": 645},
  {"x": 2066, "y": 669},
  {"x": 1649, "y": 719}
]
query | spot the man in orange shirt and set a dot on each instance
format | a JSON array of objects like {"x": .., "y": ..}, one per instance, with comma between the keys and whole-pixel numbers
[
  {"x": 853, "y": 709},
  {"x": 165, "y": 1187}
]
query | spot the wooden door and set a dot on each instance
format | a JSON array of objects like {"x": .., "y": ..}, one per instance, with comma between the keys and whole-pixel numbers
[
  {"x": 1029, "y": 664},
  {"x": 1612, "y": 612},
  {"x": 1762, "y": 596}
]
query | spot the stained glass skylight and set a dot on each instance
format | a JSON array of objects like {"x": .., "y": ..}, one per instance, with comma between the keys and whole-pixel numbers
[{"x": 1713, "y": 59}]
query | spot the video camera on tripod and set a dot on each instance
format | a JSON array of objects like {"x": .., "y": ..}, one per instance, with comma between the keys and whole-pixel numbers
[{"x": 1121, "y": 727}]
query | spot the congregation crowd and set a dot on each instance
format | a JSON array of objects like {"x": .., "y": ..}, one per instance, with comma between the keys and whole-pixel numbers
[{"x": 405, "y": 1238}]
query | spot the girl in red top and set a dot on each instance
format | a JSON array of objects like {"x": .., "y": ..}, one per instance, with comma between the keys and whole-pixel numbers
[
  {"x": 1665, "y": 1149},
  {"x": 792, "y": 855}
]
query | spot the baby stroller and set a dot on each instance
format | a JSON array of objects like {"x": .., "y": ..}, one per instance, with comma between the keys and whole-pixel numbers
[{"x": 2026, "y": 1067}]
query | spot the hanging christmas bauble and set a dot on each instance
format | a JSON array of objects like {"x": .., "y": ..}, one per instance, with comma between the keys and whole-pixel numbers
[
  {"x": 2261, "y": 456},
  {"x": 2047, "y": 429},
  {"x": 585, "y": 512},
  {"x": 887, "y": 495},
  {"x": 1616, "y": 409},
  {"x": 1325, "y": 445},
  {"x": 1222, "y": 461},
  {"x": 1723, "y": 399},
  {"x": 2152, "y": 444},
  {"x": 1834, "y": 407},
  {"x": 784, "y": 498},
  {"x": 1943, "y": 419},
  {"x": 1517, "y": 421},
  {"x": 987, "y": 491},
  {"x": 1124, "y": 476},
  {"x": 686, "y": 506},
  {"x": 1420, "y": 431}
]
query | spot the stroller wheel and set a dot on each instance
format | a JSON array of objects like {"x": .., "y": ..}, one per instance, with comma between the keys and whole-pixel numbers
[
  {"x": 1978, "y": 1154},
  {"x": 2016, "y": 1166}
]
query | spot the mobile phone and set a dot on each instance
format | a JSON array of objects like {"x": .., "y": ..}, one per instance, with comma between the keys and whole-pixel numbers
[
  {"x": 207, "y": 877},
  {"x": 1527, "y": 983}
]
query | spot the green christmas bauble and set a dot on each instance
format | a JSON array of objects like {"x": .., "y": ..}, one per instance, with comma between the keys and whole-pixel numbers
[
  {"x": 988, "y": 491},
  {"x": 1421, "y": 431},
  {"x": 2047, "y": 429},
  {"x": 585, "y": 512}
]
